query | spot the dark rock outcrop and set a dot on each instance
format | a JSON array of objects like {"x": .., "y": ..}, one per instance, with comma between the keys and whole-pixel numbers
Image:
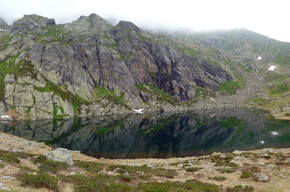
[{"x": 89, "y": 62}]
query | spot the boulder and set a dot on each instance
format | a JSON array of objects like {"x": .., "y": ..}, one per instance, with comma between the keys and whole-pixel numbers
[
  {"x": 61, "y": 155},
  {"x": 262, "y": 177}
]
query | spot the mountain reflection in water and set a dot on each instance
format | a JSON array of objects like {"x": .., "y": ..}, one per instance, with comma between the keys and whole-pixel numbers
[{"x": 160, "y": 134}]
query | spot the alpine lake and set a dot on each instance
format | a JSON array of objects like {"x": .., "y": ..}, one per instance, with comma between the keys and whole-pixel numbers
[{"x": 158, "y": 135}]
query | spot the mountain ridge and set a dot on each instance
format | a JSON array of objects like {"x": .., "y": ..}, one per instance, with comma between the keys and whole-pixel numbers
[{"x": 90, "y": 67}]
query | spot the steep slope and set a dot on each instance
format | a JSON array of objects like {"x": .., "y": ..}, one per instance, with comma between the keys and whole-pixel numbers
[
  {"x": 89, "y": 67},
  {"x": 3, "y": 25},
  {"x": 244, "y": 48}
]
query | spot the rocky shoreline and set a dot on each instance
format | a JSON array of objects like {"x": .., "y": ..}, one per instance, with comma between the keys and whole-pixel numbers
[{"x": 264, "y": 169}]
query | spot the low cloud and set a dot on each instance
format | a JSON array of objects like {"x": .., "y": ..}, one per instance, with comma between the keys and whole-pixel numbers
[{"x": 266, "y": 17}]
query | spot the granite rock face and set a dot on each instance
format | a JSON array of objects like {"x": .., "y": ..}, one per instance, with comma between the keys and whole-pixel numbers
[{"x": 91, "y": 67}]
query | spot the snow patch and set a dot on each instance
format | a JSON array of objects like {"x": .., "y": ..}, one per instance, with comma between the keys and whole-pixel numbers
[
  {"x": 138, "y": 111},
  {"x": 259, "y": 58},
  {"x": 274, "y": 133},
  {"x": 262, "y": 142},
  {"x": 6, "y": 117},
  {"x": 272, "y": 67}
]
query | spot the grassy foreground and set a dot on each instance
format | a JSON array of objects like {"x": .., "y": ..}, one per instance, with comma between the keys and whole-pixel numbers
[{"x": 26, "y": 169}]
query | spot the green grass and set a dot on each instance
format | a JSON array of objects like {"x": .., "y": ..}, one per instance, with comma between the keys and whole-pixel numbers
[
  {"x": 229, "y": 87},
  {"x": 283, "y": 60},
  {"x": 161, "y": 95},
  {"x": 193, "y": 169},
  {"x": 246, "y": 174},
  {"x": 239, "y": 188},
  {"x": 101, "y": 92},
  {"x": 12, "y": 157},
  {"x": 4, "y": 41},
  {"x": 188, "y": 51},
  {"x": 279, "y": 89},
  {"x": 40, "y": 180},
  {"x": 104, "y": 183},
  {"x": 147, "y": 172},
  {"x": 274, "y": 77},
  {"x": 91, "y": 167},
  {"x": 53, "y": 32},
  {"x": 189, "y": 185}
]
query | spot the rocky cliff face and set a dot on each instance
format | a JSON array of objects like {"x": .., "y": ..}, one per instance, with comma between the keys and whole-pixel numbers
[
  {"x": 90, "y": 67},
  {"x": 3, "y": 24}
]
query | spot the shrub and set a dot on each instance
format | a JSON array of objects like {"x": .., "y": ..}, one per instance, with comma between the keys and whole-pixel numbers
[
  {"x": 38, "y": 181},
  {"x": 218, "y": 178},
  {"x": 91, "y": 167},
  {"x": 193, "y": 169},
  {"x": 247, "y": 174},
  {"x": 239, "y": 188}
]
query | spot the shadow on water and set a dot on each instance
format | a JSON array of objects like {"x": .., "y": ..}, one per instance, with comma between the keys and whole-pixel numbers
[{"x": 160, "y": 134}]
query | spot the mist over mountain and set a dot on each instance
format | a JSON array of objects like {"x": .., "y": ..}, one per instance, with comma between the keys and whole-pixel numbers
[{"x": 91, "y": 67}]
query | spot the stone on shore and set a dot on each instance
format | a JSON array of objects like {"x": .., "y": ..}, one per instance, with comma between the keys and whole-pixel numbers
[{"x": 61, "y": 155}]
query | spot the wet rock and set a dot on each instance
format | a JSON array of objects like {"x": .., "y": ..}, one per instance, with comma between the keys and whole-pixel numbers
[{"x": 61, "y": 155}]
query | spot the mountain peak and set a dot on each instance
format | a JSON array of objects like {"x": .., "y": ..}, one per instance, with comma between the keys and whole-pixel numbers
[
  {"x": 129, "y": 26},
  {"x": 32, "y": 23},
  {"x": 93, "y": 21}
]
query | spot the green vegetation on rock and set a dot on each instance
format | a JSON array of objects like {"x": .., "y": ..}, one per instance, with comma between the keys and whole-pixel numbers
[
  {"x": 161, "y": 95},
  {"x": 229, "y": 87}
]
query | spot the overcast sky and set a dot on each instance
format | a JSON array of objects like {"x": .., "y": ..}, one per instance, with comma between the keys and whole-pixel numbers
[{"x": 268, "y": 17}]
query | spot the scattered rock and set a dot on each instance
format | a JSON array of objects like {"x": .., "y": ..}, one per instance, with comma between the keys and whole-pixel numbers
[
  {"x": 283, "y": 176},
  {"x": 269, "y": 150},
  {"x": 265, "y": 155},
  {"x": 6, "y": 118},
  {"x": 223, "y": 156},
  {"x": 261, "y": 164},
  {"x": 261, "y": 177},
  {"x": 8, "y": 177},
  {"x": 2, "y": 187},
  {"x": 180, "y": 165},
  {"x": 61, "y": 155},
  {"x": 216, "y": 153},
  {"x": 237, "y": 152}
]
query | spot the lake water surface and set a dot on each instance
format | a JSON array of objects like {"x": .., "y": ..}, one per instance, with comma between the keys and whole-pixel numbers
[{"x": 159, "y": 134}]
